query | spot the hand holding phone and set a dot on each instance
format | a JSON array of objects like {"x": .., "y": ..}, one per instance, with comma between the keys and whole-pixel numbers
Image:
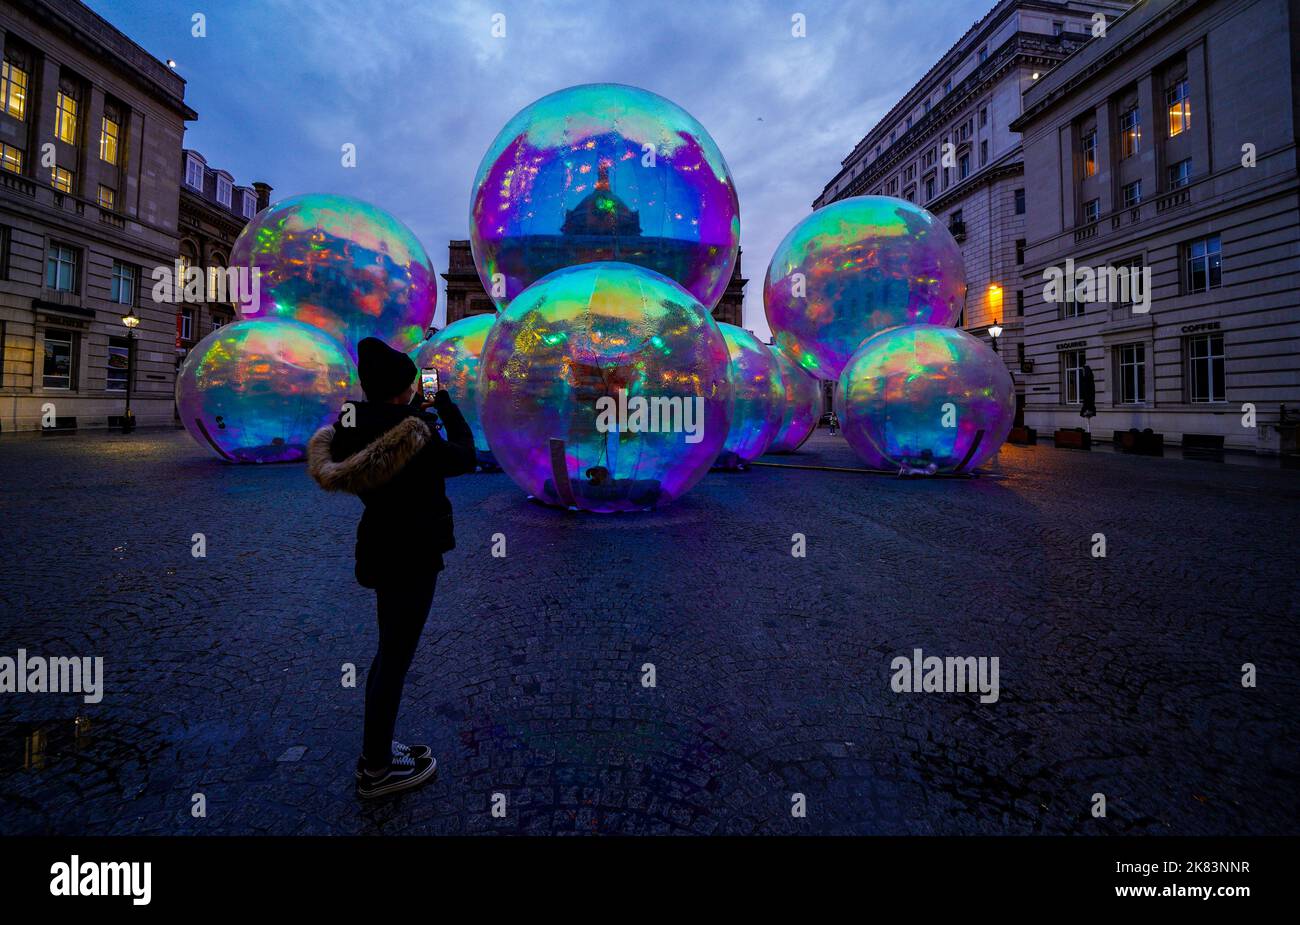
[{"x": 429, "y": 384}]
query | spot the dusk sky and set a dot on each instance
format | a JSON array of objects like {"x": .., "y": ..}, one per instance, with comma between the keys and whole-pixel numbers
[{"x": 421, "y": 87}]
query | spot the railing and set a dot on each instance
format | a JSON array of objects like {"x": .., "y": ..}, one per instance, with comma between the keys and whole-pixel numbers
[{"x": 1179, "y": 197}]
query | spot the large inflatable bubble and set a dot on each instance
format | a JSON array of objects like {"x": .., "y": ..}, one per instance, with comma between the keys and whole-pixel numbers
[
  {"x": 604, "y": 387},
  {"x": 926, "y": 398},
  {"x": 801, "y": 407},
  {"x": 856, "y": 267},
  {"x": 604, "y": 172},
  {"x": 759, "y": 397},
  {"x": 255, "y": 391},
  {"x": 454, "y": 352},
  {"x": 341, "y": 265}
]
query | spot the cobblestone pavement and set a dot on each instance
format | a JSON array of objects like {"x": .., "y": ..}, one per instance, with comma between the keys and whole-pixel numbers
[{"x": 1118, "y": 675}]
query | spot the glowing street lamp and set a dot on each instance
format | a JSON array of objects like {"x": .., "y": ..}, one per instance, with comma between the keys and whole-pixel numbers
[
  {"x": 995, "y": 331},
  {"x": 132, "y": 321}
]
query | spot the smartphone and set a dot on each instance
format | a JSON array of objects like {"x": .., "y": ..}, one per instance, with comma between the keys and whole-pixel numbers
[{"x": 429, "y": 382}]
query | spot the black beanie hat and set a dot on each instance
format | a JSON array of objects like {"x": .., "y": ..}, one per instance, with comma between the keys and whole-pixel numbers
[{"x": 384, "y": 372}]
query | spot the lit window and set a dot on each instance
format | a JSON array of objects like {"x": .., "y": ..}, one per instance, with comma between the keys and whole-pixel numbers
[
  {"x": 11, "y": 158},
  {"x": 61, "y": 178},
  {"x": 1090, "y": 154},
  {"x": 1204, "y": 264},
  {"x": 109, "y": 134},
  {"x": 193, "y": 173},
  {"x": 1132, "y": 374},
  {"x": 1130, "y": 132},
  {"x": 1180, "y": 174},
  {"x": 123, "y": 285},
  {"x": 13, "y": 90},
  {"x": 65, "y": 117},
  {"x": 1180, "y": 108},
  {"x": 56, "y": 372},
  {"x": 1132, "y": 193},
  {"x": 107, "y": 197},
  {"x": 61, "y": 268}
]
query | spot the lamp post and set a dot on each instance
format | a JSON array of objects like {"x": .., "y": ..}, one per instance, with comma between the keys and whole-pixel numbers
[
  {"x": 131, "y": 320},
  {"x": 995, "y": 331}
]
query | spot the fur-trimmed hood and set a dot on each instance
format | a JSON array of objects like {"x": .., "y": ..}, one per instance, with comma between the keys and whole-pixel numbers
[{"x": 370, "y": 467}]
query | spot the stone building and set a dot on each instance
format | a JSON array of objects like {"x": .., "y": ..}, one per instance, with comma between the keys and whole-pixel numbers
[
  {"x": 466, "y": 295},
  {"x": 82, "y": 230},
  {"x": 213, "y": 213},
  {"x": 948, "y": 145},
  {"x": 1169, "y": 148}
]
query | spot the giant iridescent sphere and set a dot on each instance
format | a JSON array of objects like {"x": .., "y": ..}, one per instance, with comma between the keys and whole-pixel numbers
[
  {"x": 801, "y": 406},
  {"x": 926, "y": 398},
  {"x": 604, "y": 172},
  {"x": 759, "y": 397},
  {"x": 454, "y": 352},
  {"x": 256, "y": 390},
  {"x": 856, "y": 267},
  {"x": 341, "y": 265},
  {"x": 604, "y": 387}
]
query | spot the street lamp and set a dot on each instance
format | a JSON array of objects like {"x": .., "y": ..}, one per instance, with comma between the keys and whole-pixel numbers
[
  {"x": 132, "y": 321},
  {"x": 995, "y": 331}
]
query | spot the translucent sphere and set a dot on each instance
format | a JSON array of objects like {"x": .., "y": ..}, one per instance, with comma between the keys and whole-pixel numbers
[
  {"x": 801, "y": 406},
  {"x": 604, "y": 387},
  {"x": 255, "y": 391},
  {"x": 759, "y": 397},
  {"x": 341, "y": 265},
  {"x": 856, "y": 267},
  {"x": 604, "y": 172},
  {"x": 926, "y": 398},
  {"x": 454, "y": 352}
]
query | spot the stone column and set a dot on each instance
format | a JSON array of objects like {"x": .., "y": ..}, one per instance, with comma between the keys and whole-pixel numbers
[
  {"x": 42, "y": 105},
  {"x": 1198, "y": 86},
  {"x": 90, "y": 167},
  {"x": 132, "y": 151}
]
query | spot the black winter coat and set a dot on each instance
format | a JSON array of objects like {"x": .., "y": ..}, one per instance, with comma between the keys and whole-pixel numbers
[{"x": 395, "y": 461}]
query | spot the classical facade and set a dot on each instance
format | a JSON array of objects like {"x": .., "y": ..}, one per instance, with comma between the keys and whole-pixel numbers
[
  {"x": 466, "y": 295},
  {"x": 90, "y": 142},
  {"x": 213, "y": 213},
  {"x": 948, "y": 145},
  {"x": 1168, "y": 150}
]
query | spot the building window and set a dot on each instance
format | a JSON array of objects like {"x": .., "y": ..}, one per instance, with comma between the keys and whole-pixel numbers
[
  {"x": 1180, "y": 174},
  {"x": 65, "y": 117},
  {"x": 1058, "y": 28},
  {"x": 223, "y": 191},
  {"x": 946, "y": 180},
  {"x": 11, "y": 158},
  {"x": 1130, "y": 132},
  {"x": 1134, "y": 267},
  {"x": 1205, "y": 368},
  {"x": 123, "y": 285},
  {"x": 947, "y": 87},
  {"x": 1072, "y": 363},
  {"x": 187, "y": 324},
  {"x": 929, "y": 188},
  {"x": 61, "y": 178},
  {"x": 1180, "y": 108},
  {"x": 1091, "y": 211},
  {"x": 249, "y": 204},
  {"x": 1132, "y": 374},
  {"x": 1020, "y": 202},
  {"x": 61, "y": 268},
  {"x": 13, "y": 89},
  {"x": 193, "y": 173},
  {"x": 963, "y": 166},
  {"x": 984, "y": 153},
  {"x": 983, "y": 53},
  {"x": 5, "y": 238},
  {"x": 1020, "y": 251},
  {"x": 119, "y": 364},
  {"x": 909, "y": 123},
  {"x": 1089, "y": 149},
  {"x": 1132, "y": 193},
  {"x": 110, "y": 134},
  {"x": 1020, "y": 302},
  {"x": 926, "y": 106},
  {"x": 984, "y": 116},
  {"x": 1204, "y": 259},
  {"x": 107, "y": 197},
  {"x": 58, "y": 371}
]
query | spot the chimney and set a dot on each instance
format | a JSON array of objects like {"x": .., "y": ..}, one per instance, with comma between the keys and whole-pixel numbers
[{"x": 263, "y": 194}]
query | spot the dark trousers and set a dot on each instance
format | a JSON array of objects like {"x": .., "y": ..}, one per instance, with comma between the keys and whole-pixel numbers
[{"x": 403, "y": 608}]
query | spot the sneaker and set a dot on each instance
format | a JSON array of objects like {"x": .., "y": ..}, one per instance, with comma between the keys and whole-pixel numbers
[
  {"x": 405, "y": 773},
  {"x": 415, "y": 751}
]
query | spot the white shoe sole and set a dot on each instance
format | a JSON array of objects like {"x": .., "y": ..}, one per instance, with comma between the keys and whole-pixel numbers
[{"x": 397, "y": 786}]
